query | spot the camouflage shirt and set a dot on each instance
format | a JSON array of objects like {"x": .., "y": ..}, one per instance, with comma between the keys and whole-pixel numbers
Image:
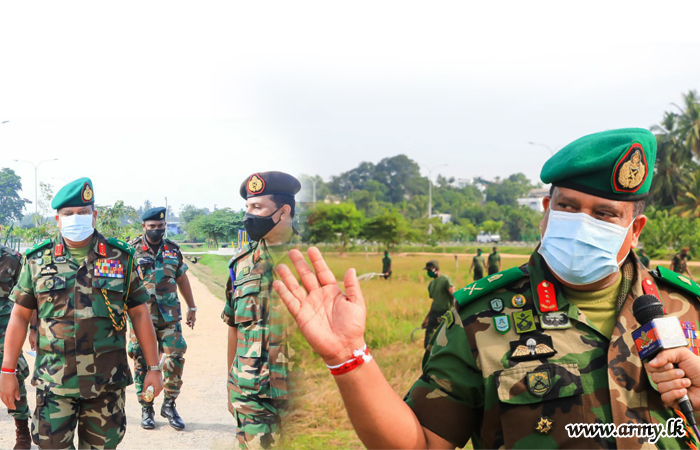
[
  {"x": 80, "y": 353},
  {"x": 10, "y": 265},
  {"x": 159, "y": 272},
  {"x": 504, "y": 374},
  {"x": 262, "y": 355}
]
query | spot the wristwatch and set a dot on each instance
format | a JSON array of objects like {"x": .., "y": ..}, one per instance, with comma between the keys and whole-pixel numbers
[
  {"x": 156, "y": 367},
  {"x": 193, "y": 309}
]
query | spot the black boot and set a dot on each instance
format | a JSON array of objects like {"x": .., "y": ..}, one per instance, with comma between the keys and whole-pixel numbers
[
  {"x": 169, "y": 412},
  {"x": 148, "y": 422},
  {"x": 24, "y": 439}
]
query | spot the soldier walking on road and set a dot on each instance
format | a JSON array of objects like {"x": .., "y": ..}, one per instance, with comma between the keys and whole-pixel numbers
[
  {"x": 478, "y": 265},
  {"x": 494, "y": 262},
  {"x": 679, "y": 264},
  {"x": 10, "y": 265},
  {"x": 644, "y": 259},
  {"x": 440, "y": 290},
  {"x": 83, "y": 286},
  {"x": 257, "y": 346},
  {"x": 163, "y": 270}
]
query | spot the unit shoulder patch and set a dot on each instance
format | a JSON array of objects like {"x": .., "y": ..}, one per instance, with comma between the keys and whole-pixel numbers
[
  {"x": 121, "y": 245},
  {"x": 39, "y": 246},
  {"x": 488, "y": 284},
  {"x": 677, "y": 280}
]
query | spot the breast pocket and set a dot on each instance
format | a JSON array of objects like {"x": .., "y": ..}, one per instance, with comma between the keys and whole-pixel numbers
[
  {"x": 52, "y": 296},
  {"x": 538, "y": 400},
  {"x": 251, "y": 366},
  {"x": 108, "y": 290},
  {"x": 246, "y": 299}
]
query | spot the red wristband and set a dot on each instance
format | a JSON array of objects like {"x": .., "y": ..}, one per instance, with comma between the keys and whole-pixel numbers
[
  {"x": 360, "y": 357},
  {"x": 5, "y": 370}
]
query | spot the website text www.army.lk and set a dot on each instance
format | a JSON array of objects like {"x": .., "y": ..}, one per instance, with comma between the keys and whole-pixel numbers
[{"x": 651, "y": 431}]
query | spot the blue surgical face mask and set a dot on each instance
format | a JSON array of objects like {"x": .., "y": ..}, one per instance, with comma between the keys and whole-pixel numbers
[
  {"x": 581, "y": 250},
  {"x": 77, "y": 227}
]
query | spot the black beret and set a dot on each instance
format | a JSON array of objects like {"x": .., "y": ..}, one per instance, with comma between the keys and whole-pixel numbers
[
  {"x": 270, "y": 183},
  {"x": 157, "y": 213}
]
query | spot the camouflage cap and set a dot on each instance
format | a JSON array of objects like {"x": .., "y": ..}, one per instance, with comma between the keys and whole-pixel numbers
[
  {"x": 615, "y": 164},
  {"x": 157, "y": 213},
  {"x": 432, "y": 264},
  {"x": 269, "y": 183},
  {"x": 75, "y": 193}
]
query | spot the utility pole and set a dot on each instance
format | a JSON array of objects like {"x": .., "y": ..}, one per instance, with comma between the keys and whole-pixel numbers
[
  {"x": 430, "y": 193},
  {"x": 36, "y": 182}
]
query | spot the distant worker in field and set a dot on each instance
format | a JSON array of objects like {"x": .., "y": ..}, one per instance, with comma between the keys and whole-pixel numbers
[
  {"x": 644, "y": 259},
  {"x": 494, "y": 262},
  {"x": 679, "y": 264},
  {"x": 257, "y": 347},
  {"x": 386, "y": 265},
  {"x": 478, "y": 265},
  {"x": 440, "y": 290},
  {"x": 162, "y": 268}
]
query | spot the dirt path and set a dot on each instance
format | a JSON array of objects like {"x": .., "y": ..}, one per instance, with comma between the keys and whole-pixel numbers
[{"x": 202, "y": 403}]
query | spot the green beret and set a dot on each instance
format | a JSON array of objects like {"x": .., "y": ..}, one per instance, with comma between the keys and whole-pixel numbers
[
  {"x": 75, "y": 193},
  {"x": 615, "y": 164},
  {"x": 157, "y": 213},
  {"x": 270, "y": 183}
]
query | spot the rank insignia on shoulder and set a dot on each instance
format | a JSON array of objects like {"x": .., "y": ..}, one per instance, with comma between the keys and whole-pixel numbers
[
  {"x": 518, "y": 301},
  {"x": 449, "y": 319},
  {"x": 502, "y": 323},
  {"x": 533, "y": 348},
  {"x": 102, "y": 249},
  {"x": 110, "y": 268},
  {"x": 685, "y": 280},
  {"x": 496, "y": 305},
  {"x": 557, "y": 320},
  {"x": 59, "y": 250},
  {"x": 494, "y": 277},
  {"x": 539, "y": 383},
  {"x": 544, "y": 425},
  {"x": 524, "y": 321}
]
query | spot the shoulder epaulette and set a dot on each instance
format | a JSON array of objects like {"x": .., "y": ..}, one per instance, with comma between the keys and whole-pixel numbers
[
  {"x": 487, "y": 284},
  {"x": 173, "y": 243},
  {"x": 677, "y": 280},
  {"x": 10, "y": 251},
  {"x": 121, "y": 245},
  {"x": 244, "y": 251},
  {"x": 135, "y": 241},
  {"x": 40, "y": 245}
]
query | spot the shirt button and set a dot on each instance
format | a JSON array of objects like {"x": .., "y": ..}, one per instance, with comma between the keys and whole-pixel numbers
[{"x": 49, "y": 299}]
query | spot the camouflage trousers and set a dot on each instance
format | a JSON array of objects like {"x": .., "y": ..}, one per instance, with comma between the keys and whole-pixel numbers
[
  {"x": 172, "y": 343},
  {"x": 21, "y": 410},
  {"x": 258, "y": 419},
  {"x": 101, "y": 421},
  {"x": 434, "y": 319}
]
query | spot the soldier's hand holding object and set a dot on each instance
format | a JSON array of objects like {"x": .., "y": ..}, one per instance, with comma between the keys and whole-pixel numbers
[
  {"x": 153, "y": 378},
  {"x": 191, "y": 317},
  {"x": 9, "y": 389},
  {"x": 675, "y": 381},
  {"x": 332, "y": 322}
]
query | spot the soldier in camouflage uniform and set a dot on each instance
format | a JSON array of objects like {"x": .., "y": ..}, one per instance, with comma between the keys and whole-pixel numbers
[
  {"x": 83, "y": 286},
  {"x": 162, "y": 268},
  {"x": 257, "y": 348},
  {"x": 10, "y": 265},
  {"x": 531, "y": 349}
]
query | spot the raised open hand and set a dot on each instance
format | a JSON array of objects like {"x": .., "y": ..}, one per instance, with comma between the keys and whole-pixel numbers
[{"x": 332, "y": 322}]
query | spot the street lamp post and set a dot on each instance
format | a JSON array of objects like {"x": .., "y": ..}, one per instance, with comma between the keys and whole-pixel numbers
[
  {"x": 551, "y": 152},
  {"x": 430, "y": 193},
  {"x": 36, "y": 182}
]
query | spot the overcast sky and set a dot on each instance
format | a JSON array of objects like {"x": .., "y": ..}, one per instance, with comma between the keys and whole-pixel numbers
[{"x": 184, "y": 100}]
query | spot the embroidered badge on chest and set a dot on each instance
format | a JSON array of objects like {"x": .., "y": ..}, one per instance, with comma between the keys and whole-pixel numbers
[
  {"x": 110, "y": 268},
  {"x": 535, "y": 347},
  {"x": 539, "y": 383},
  {"x": 524, "y": 321},
  {"x": 497, "y": 305},
  {"x": 555, "y": 321},
  {"x": 502, "y": 323}
]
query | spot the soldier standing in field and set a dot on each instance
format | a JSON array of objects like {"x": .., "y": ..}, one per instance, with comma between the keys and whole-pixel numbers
[
  {"x": 163, "y": 270},
  {"x": 532, "y": 349},
  {"x": 440, "y": 290},
  {"x": 386, "y": 265},
  {"x": 644, "y": 259},
  {"x": 679, "y": 264},
  {"x": 494, "y": 262},
  {"x": 10, "y": 265},
  {"x": 478, "y": 265},
  {"x": 83, "y": 285},
  {"x": 257, "y": 348}
]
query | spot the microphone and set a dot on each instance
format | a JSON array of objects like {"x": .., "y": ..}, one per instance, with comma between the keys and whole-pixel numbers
[{"x": 657, "y": 333}]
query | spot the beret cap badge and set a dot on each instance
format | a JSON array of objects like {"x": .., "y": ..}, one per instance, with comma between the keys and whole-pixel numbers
[
  {"x": 256, "y": 184},
  {"x": 632, "y": 169},
  {"x": 87, "y": 193}
]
